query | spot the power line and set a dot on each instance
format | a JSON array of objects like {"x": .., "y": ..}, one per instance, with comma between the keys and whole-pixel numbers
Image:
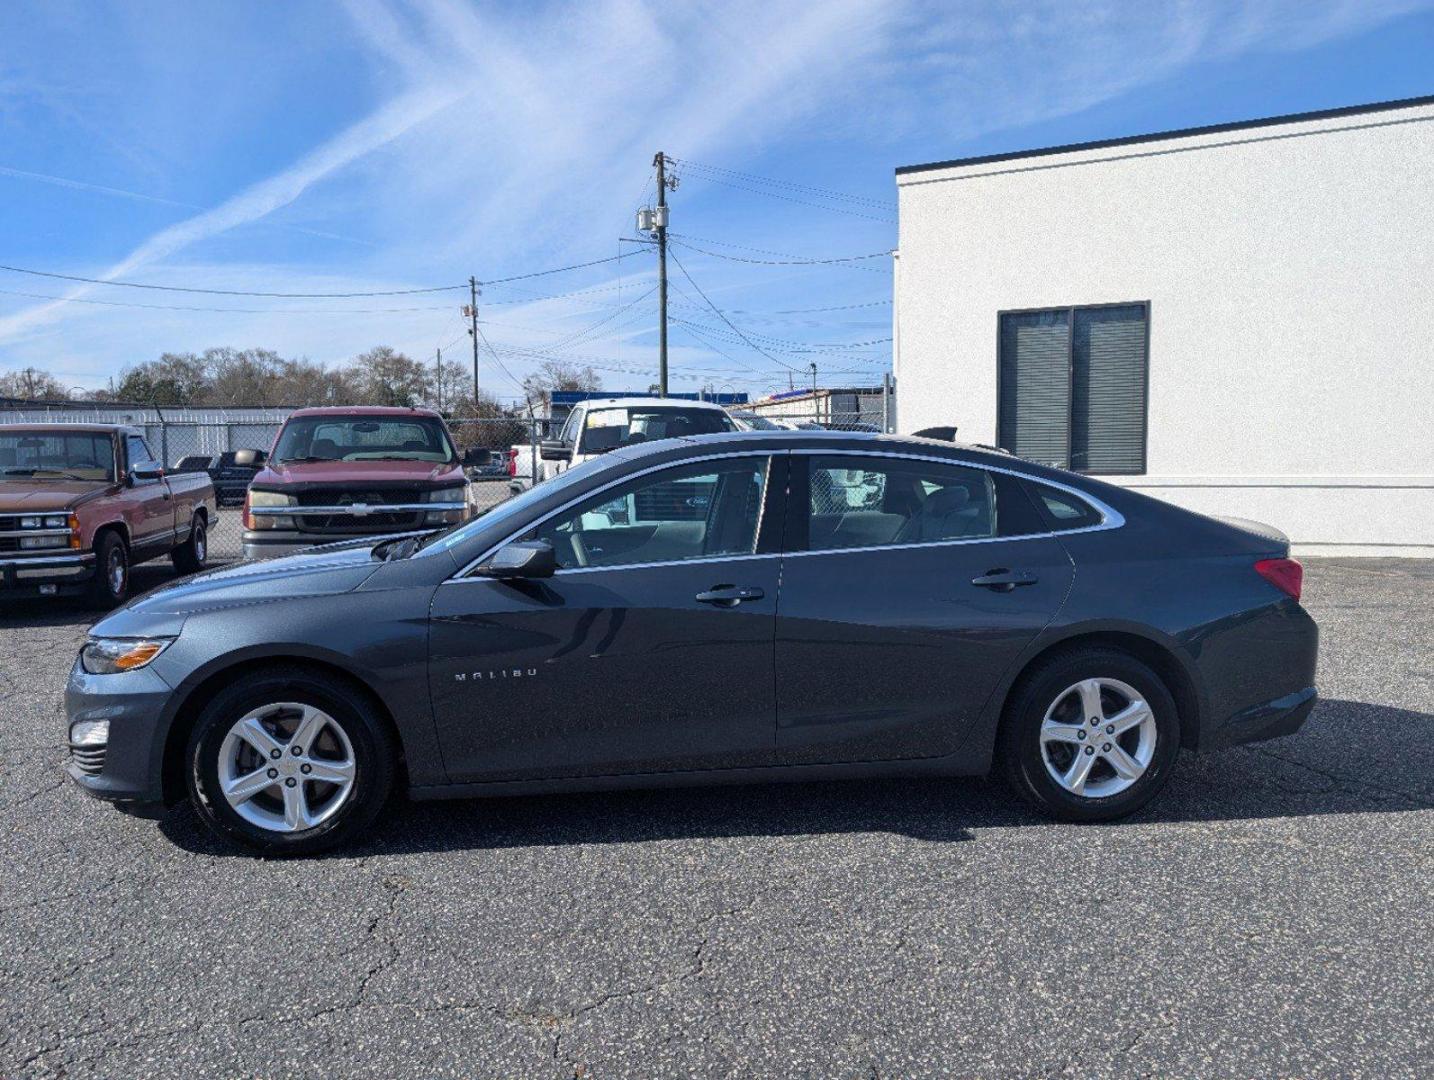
[
  {"x": 236, "y": 311},
  {"x": 826, "y": 193},
  {"x": 793, "y": 199},
  {"x": 793, "y": 261},
  {"x": 555, "y": 270},
  {"x": 718, "y": 312},
  {"x": 228, "y": 292}
]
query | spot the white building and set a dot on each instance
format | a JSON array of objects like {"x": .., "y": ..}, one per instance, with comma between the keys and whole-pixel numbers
[{"x": 1238, "y": 319}]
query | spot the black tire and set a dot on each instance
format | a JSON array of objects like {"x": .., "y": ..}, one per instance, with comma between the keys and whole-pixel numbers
[
  {"x": 373, "y": 755},
  {"x": 1024, "y": 761},
  {"x": 191, "y": 556},
  {"x": 110, "y": 585}
]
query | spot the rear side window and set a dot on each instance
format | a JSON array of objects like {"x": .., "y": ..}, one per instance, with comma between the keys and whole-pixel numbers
[
  {"x": 1064, "y": 511},
  {"x": 859, "y": 501}
]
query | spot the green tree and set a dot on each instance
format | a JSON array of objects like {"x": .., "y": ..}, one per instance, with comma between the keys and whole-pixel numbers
[{"x": 173, "y": 379}]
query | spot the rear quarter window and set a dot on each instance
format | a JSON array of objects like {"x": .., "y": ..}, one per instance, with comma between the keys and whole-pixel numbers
[{"x": 1062, "y": 510}]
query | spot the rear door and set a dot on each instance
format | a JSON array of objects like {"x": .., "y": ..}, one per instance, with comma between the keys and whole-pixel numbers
[{"x": 909, "y": 586}]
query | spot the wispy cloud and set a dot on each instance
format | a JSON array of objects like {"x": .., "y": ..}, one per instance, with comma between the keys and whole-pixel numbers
[{"x": 516, "y": 136}]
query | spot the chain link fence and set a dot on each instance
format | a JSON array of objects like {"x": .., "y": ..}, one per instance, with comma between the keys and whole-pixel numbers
[{"x": 213, "y": 442}]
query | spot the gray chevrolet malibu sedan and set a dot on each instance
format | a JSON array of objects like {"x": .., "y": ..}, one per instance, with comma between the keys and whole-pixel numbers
[{"x": 729, "y": 608}]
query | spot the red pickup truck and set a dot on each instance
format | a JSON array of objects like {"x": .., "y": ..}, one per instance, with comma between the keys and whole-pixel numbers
[
  {"x": 82, "y": 503},
  {"x": 342, "y": 472}
]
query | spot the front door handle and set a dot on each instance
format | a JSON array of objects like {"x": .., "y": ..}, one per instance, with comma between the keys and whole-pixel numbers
[
  {"x": 729, "y": 596},
  {"x": 1002, "y": 580}
]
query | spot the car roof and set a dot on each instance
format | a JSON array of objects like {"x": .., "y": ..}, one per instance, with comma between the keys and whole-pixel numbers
[
  {"x": 651, "y": 402},
  {"x": 364, "y": 410},
  {"x": 819, "y": 439}
]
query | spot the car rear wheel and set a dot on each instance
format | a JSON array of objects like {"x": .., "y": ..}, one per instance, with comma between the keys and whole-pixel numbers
[
  {"x": 1090, "y": 736},
  {"x": 289, "y": 762},
  {"x": 110, "y": 585},
  {"x": 192, "y": 555}
]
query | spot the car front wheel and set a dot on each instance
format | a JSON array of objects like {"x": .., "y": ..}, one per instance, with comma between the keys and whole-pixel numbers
[
  {"x": 1090, "y": 736},
  {"x": 289, "y": 762}
]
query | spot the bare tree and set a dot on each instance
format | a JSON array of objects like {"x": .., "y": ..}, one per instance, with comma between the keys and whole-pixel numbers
[
  {"x": 32, "y": 384},
  {"x": 558, "y": 375},
  {"x": 387, "y": 377}
]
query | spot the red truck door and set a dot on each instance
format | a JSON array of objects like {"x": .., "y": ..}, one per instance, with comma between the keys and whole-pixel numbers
[{"x": 151, "y": 510}]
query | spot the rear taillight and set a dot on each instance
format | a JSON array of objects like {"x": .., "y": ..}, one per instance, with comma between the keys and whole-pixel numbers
[
  {"x": 513, "y": 462},
  {"x": 1284, "y": 574}
]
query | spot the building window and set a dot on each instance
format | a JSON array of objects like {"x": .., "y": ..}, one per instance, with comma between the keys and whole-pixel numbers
[{"x": 1073, "y": 386}]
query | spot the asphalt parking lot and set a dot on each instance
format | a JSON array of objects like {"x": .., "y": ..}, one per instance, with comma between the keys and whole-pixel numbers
[{"x": 1271, "y": 915}]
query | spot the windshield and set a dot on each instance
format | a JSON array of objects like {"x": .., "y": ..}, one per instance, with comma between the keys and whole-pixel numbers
[
  {"x": 364, "y": 438},
  {"x": 513, "y": 509},
  {"x": 607, "y": 429},
  {"x": 57, "y": 455},
  {"x": 753, "y": 422}
]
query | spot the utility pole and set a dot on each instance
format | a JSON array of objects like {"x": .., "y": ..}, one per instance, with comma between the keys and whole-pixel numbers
[
  {"x": 473, "y": 332},
  {"x": 814, "y": 383},
  {"x": 661, "y": 162},
  {"x": 439, "y": 362}
]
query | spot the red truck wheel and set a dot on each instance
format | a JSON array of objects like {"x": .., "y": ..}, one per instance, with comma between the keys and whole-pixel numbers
[{"x": 111, "y": 581}]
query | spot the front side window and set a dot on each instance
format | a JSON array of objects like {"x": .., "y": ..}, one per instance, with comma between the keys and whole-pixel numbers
[
  {"x": 693, "y": 511},
  {"x": 55, "y": 455},
  {"x": 364, "y": 438},
  {"x": 860, "y": 501},
  {"x": 609, "y": 429}
]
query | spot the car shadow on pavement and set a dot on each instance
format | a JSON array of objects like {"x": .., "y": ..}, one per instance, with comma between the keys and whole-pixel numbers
[{"x": 1350, "y": 758}]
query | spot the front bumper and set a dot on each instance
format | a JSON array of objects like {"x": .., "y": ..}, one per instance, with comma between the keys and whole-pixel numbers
[
  {"x": 46, "y": 575},
  {"x": 129, "y": 767}
]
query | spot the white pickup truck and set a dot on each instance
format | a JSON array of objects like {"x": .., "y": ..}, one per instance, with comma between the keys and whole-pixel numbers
[{"x": 595, "y": 427}]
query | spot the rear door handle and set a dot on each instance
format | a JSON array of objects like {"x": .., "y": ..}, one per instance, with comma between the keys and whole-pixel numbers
[
  {"x": 1002, "y": 580},
  {"x": 729, "y": 595}
]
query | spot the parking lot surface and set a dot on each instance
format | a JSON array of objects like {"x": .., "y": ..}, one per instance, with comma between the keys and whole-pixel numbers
[{"x": 1271, "y": 915}]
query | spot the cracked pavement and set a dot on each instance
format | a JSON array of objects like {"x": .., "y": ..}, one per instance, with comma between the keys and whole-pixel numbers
[{"x": 1270, "y": 915}]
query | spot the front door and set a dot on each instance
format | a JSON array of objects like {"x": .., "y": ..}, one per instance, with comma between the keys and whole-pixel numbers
[
  {"x": 649, "y": 650},
  {"x": 152, "y": 523},
  {"x": 888, "y": 643}
]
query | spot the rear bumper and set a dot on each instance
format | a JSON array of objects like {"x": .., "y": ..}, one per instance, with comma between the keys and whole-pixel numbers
[
  {"x": 46, "y": 575},
  {"x": 1270, "y": 720}
]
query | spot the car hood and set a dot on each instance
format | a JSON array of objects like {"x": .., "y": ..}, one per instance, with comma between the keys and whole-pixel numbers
[
  {"x": 37, "y": 496},
  {"x": 326, "y": 571},
  {"x": 348, "y": 473}
]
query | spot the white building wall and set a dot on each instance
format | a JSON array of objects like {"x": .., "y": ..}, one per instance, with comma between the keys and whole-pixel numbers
[{"x": 1290, "y": 272}]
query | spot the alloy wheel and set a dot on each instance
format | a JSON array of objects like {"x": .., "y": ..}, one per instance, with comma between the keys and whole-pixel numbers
[
  {"x": 1098, "y": 737},
  {"x": 287, "y": 767}
]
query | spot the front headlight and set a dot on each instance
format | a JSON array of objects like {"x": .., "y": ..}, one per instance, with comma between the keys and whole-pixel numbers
[
  {"x": 267, "y": 499},
  {"x": 109, "y": 656},
  {"x": 457, "y": 494}
]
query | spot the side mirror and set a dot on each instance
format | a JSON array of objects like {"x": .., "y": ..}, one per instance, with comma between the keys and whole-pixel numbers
[
  {"x": 477, "y": 456},
  {"x": 147, "y": 470},
  {"x": 521, "y": 559},
  {"x": 555, "y": 450},
  {"x": 248, "y": 458}
]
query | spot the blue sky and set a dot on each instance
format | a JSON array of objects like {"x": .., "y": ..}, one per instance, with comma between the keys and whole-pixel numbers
[{"x": 325, "y": 147}]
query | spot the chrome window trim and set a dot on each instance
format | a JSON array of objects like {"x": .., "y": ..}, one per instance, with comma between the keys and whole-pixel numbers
[
  {"x": 462, "y": 575},
  {"x": 1111, "y": 518}
]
